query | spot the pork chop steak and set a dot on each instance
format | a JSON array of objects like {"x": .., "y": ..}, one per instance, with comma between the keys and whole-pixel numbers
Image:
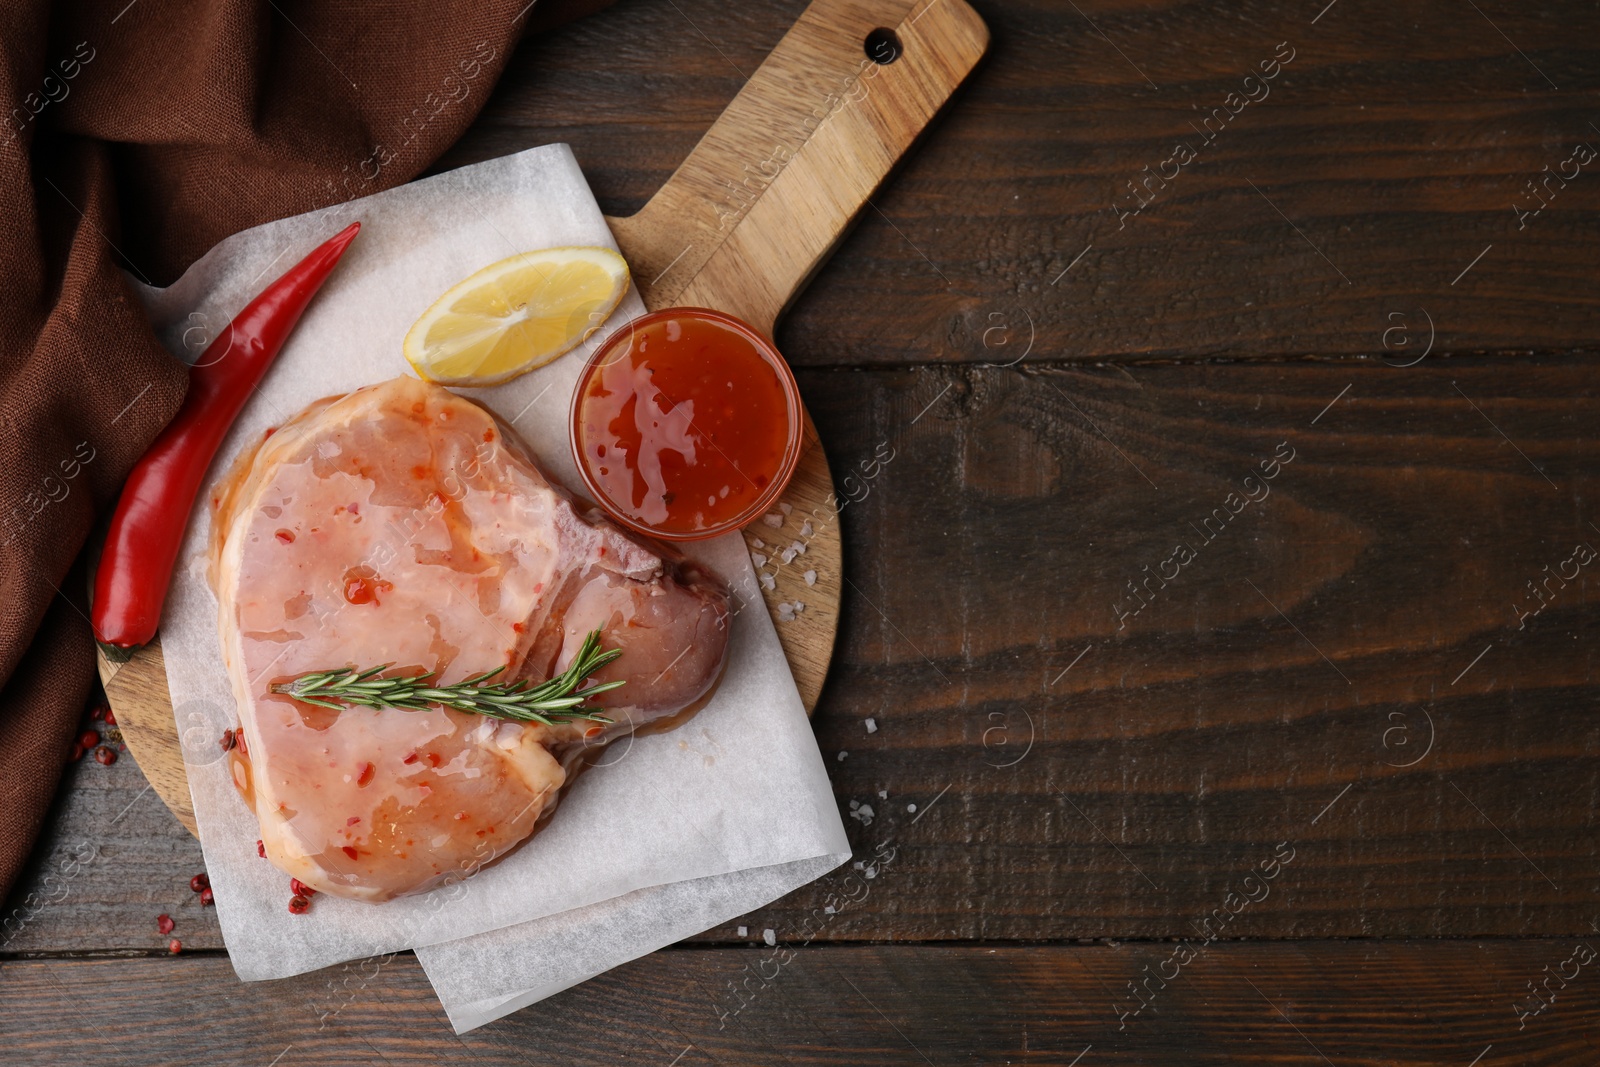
[{"x": 404, "y": 524}]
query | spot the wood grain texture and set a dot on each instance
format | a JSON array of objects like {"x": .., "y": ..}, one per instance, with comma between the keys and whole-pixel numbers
[
  {"x": 111, "y": 858},
  {"x": 1406, "y": 1004},
  {"x": 1338, "y": 667},
  {"x": 137, "y": 692},
  {"x": 1077, "y": 779},
  {"x": 999, "y": 539},
  {"x": 777, "y": 179},
  {"x": 839, "y": 125},
  {"x": 1397, "y": 141},
  {"x": 807, "y": 521}
]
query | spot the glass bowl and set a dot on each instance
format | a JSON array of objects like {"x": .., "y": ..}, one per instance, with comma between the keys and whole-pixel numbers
[{"x": 698, "y": 352}]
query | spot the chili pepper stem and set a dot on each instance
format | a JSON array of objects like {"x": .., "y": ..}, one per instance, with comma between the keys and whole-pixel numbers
[{"x": 118, "y": 654}]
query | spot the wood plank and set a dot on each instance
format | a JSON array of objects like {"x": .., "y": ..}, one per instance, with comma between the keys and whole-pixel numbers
[
  {"x": 111, "y": 858},
  {"x": 1396, "y": 142},
  {"x": 1406, "y": 1003},
  {"x": 1005, "y": 517},
  {"x": 1283, "y": 687}
]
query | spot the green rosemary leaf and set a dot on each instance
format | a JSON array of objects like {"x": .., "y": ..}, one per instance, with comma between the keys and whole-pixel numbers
[{"x": 550, "y": 702}]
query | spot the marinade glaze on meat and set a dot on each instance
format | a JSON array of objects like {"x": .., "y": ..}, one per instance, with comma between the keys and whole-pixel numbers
[{"x": 403, "y": 524}]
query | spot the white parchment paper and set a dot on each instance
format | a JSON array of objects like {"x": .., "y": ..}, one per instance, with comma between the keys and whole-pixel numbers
[
  {"x": 479, "y": 979},
  {"x": 668, "y": 834}
]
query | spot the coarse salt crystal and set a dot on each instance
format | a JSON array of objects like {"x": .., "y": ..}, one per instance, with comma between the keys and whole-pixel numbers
[
  {"x": 768, "y": 582},
  {"x": 810, "y": 577},
  {"x": 758, "y": 542},
  {"x": 797, "y": 548},
  {"x": 787, "y": 555},
  {"x": 883, "y": 794},
  {"x": 769, "y": 936},
  {"x": 786, "y": 508},
  {"x": 872, "y": 726},
  {"x": 799, "y": 606},
  {"x": 828, "y": 909},
  {"x": 854, "y": 804},
  {"x": 842, "y": 755},
  {"x": 858, "y": 864},
  {"x": 758, "y": 559},
  {"x": 806, "y": 529},
  {"x": 744, "y": 931},
  {"x": 911, "y": 808},
  {"x": 772, "y": 519}
]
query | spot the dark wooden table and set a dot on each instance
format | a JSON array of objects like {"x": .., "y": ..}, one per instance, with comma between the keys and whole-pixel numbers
[{"x": 1207, "y": 766}]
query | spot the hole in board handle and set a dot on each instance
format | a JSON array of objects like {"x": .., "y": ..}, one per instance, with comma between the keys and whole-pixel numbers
[{"x": 883, "y": 46}]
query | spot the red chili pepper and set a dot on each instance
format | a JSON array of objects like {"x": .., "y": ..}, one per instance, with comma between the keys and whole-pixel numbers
[{"x": 153, "y": 511}]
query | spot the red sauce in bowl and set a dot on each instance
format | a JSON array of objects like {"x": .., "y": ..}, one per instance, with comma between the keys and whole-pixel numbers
[{"x": 686, "y": 424}]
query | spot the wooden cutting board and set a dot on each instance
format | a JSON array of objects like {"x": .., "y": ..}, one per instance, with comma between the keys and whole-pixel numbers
[{"x": 740, "y": 226}]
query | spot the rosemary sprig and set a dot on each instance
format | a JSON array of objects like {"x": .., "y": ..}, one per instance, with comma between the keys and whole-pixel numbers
[{"x": 548, "y": 702}]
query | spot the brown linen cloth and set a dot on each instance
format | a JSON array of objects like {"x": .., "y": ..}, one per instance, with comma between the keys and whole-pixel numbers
[{"x": 136, "y": 135}]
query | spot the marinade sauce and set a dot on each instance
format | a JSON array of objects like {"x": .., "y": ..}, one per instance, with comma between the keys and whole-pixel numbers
[{"x": 686, "y": 424}]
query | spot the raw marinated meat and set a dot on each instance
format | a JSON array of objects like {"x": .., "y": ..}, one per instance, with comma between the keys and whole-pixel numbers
[{"x": 404, "y": 524}]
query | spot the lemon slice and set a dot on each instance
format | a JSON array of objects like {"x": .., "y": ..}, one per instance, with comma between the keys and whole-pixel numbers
[{"x": 515, "y": 315}]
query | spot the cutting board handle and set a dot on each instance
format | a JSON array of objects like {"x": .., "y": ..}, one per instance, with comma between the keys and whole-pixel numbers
[{"x": 774, "y": 184}]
